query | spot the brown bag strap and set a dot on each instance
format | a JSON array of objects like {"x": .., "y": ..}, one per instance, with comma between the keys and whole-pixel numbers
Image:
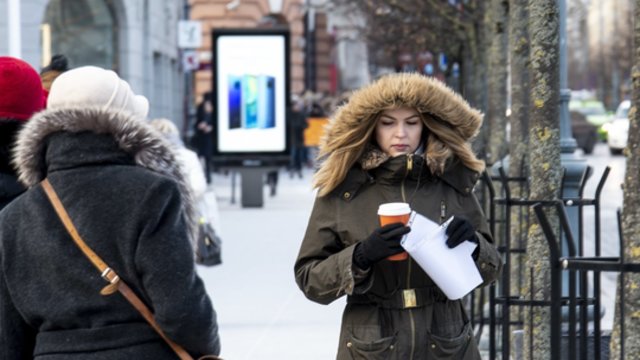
[{"x": 115, "y": 283}]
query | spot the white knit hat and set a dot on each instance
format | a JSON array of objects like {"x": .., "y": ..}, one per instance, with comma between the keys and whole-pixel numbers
[{"x": 91, "y": 86}]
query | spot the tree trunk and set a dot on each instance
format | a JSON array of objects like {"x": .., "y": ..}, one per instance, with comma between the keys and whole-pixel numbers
[
  {"x": 518, "y": 142},
  {"x": 631, "y": 223},
  {"x": 473, "y": 58},
  {"x": 497, "y": 80},
  {"x": 469, "y": 59},
  {"x": 479, "y": 98},
  {"x": 545, "y": 167}
]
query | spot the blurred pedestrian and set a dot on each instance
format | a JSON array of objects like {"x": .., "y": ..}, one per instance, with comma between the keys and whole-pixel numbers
[
  {"x": 205, "y": 199},
  {"x": 202, "y": 138},
  {"x": 316, "y": 110},
  {"x": 118, "y": 180},
  {"x": 187, "y": 159},
  {"x": 272, "y": 182},
  {"x": 404, "y": 138},
  {"x": 22, "y": 96},
  {"x": 49, "y": 73}
]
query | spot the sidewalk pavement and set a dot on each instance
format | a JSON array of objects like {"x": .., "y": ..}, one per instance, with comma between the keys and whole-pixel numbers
[{"x": 261, "y": 312}]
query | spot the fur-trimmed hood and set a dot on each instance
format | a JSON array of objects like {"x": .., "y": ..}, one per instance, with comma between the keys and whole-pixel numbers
[
  {"x": 148, "y": 148},
  {"x": 426, "y": 95},
  {"x": 450, "y": 120}
]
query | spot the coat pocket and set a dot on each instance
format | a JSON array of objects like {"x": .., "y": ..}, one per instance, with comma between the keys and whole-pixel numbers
[
  {"x": 366, "y": 344},
  {"x": 460, "y": 347}
]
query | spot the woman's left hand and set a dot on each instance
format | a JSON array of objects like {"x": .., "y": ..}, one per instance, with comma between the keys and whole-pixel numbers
[{"x": 459, "y": 230}]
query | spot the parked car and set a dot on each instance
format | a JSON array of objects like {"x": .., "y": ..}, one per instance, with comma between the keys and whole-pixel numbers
[
  {"x": 618, "y": 128},
  {"x": 595, "y": 113},
  {"x": 585, "y": 133}
]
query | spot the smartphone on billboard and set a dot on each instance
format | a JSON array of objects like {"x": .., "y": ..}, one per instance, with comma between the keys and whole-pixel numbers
[
  {"x": 266, "y": 102},
  {"x": 235, "y": 101},
  {"x": 250, "y": 101}
]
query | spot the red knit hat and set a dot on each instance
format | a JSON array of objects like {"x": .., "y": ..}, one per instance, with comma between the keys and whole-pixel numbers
[{"x": 21, "y": 93}]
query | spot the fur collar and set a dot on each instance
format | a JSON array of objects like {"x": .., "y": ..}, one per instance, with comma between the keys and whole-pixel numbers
[
  {"x": 372, "y": 157},
  {"x": 454, "y": 173},
  {"x": 133, "y": 135}
]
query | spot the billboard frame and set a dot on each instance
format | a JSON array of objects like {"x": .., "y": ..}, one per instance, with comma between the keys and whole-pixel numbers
[{"x": 226, "y": 158}]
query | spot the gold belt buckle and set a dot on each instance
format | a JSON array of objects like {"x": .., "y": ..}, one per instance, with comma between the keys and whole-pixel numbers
[{"x": 409, "y": 298}]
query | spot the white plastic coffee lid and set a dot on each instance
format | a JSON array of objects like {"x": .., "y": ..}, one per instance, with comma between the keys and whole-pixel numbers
[{"x": 394, "y": 209}]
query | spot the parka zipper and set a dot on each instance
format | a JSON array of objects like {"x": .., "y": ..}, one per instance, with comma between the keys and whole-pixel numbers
[
  {"x": 409, "y": 168},
  {"x": 443, "y": 211},
  {"x": 408, "y": 283}
]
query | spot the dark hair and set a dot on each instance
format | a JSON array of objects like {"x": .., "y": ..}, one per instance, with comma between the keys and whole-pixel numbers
[
  {"x": 8, "y": 130},
  {"x": 59, "y": 62}
]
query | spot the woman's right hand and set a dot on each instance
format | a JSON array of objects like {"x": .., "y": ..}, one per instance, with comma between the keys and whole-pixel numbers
[{"x": 382, "y": 243}]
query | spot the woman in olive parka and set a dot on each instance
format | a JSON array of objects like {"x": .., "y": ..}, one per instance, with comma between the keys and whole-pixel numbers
[{"x": 404, "y": 138}]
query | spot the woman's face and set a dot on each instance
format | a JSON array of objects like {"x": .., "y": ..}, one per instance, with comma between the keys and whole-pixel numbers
[{"x": 398, "y": 131}]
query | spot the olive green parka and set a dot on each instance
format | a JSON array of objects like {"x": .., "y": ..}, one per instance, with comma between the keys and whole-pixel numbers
[{"x": 394, "y": 310}]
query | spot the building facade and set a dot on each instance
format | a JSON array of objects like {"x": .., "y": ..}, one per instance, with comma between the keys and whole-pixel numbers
[
  {"x": 248, "y": 14},
  {"x": 135, "y": 38},
  {"x": 138, "y": 39}
]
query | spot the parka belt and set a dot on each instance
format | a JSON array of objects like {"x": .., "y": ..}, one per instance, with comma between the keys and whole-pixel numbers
[{"x": 402, "y": 298}]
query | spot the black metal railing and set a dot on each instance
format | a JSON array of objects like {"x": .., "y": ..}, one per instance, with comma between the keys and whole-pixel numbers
[
  {"x": 578, "y": 265},
  {"x": 570, "y": 292}
]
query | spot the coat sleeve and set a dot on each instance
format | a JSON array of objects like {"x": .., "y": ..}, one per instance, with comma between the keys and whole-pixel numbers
[
  {"x": 489, "y": 261},
  {"x": 17, "y": 338},
  {"x": 324, "y": 269},
  {"x": 164, "y": 258}
]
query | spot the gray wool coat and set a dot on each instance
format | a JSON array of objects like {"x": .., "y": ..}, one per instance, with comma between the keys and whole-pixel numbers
[
  {"x": 9, "y": 188},
  {"x": 129, "y": 200}
]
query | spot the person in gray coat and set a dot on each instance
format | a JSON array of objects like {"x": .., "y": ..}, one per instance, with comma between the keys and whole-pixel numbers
[
  {"x": 404, "y": 138},
  {"x": 121, "y": 186}
]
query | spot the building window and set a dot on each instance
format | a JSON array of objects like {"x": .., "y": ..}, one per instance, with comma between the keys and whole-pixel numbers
[{"x": 85, "y": 31}]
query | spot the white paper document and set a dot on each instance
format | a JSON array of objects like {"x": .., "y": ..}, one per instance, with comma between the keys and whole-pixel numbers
[{"x": 453, "y": 270}]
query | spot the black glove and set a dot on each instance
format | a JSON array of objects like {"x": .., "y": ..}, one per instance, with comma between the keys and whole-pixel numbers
[
  {"x": 459, "y": 230},
  {"x": 383, "y": 242}
]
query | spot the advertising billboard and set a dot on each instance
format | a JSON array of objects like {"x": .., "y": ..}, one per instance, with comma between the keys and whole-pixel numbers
[{"x": 251, "y": 88}]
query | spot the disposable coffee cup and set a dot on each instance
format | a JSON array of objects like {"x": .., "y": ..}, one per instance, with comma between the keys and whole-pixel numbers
[{"x": 390, "y": 213}]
